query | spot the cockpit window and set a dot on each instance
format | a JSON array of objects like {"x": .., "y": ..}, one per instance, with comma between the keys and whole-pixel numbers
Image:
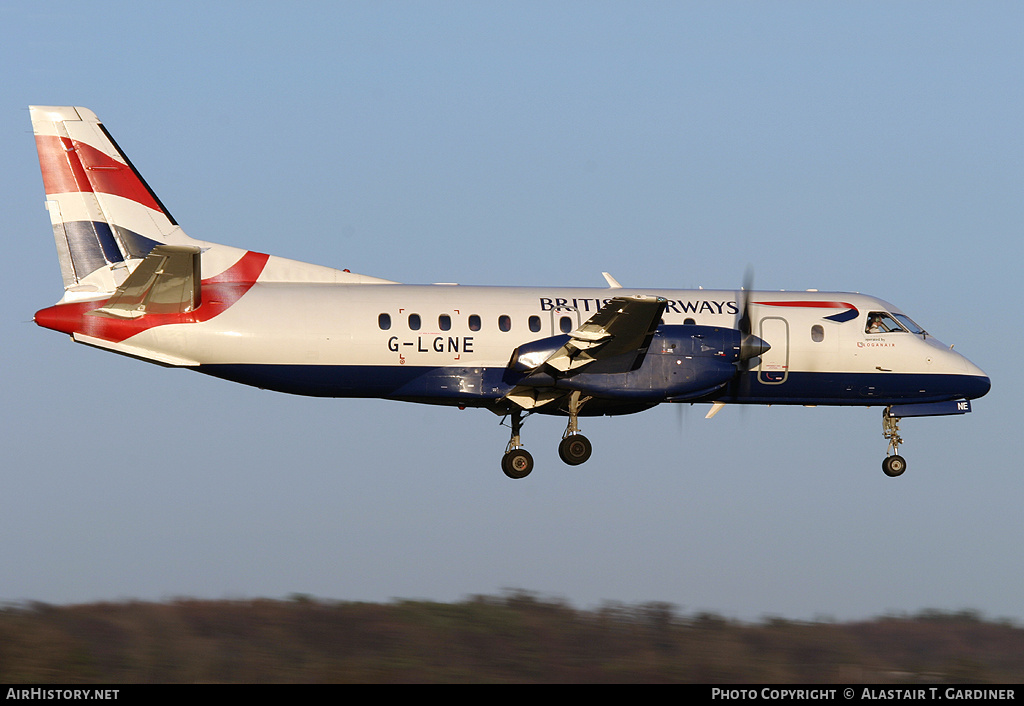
[
  {"x": 909, "y": 324},
  {"x": 883, "y": 322}
]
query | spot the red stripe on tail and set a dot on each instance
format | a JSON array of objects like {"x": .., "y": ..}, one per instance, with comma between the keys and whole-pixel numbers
[{"x": 70, "y": 166}]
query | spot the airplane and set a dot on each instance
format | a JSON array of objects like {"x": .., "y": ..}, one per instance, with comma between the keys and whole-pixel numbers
[{"x": 136, "y": 284}]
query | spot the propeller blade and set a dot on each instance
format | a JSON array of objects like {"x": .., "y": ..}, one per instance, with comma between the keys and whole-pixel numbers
[
  {"x": 751, "y": 346},
  {"x": 743, "y": 315}
]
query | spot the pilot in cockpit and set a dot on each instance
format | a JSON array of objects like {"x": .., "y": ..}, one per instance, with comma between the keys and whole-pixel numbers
[{"x": 882, "y": 322}]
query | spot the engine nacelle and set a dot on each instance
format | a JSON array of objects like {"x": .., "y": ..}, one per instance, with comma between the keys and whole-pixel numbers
[
  {"x": 530, "y": 356},
  {"x": 682, "y": 362}
]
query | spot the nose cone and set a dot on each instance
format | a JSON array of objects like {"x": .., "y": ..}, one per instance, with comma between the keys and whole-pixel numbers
[
  {"x": 979, "y": 386},
  {"x": 976, "y": 383}
]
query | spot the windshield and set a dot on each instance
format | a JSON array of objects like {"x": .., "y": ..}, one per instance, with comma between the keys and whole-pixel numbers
[
  {"x": 882, "y": 322},
  {"x": 909, "y": 324}
]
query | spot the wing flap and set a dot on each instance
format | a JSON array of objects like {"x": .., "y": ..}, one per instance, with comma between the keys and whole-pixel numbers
[{"x": 529, "y": 397}]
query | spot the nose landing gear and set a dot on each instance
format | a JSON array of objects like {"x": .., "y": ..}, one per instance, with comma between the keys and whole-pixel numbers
[{"x": 893, "y": 465}]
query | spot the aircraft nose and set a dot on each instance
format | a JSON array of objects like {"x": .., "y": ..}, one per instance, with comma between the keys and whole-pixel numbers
[
  {"x": 977, "y": 386},
  {"x": 976, "y": 383}
]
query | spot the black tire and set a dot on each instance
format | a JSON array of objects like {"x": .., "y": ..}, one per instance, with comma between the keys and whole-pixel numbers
[
  {"x": 894, "y": 466},
  {"x": 575, "y": 449},
  {"x": 517, "y": 463}
]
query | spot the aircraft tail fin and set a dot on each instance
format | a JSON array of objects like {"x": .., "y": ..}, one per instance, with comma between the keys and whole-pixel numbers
[{"x": 105, "y": 217}]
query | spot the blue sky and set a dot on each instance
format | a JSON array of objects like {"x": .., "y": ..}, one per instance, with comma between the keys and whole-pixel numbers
[{"x": 850, "y": 146}]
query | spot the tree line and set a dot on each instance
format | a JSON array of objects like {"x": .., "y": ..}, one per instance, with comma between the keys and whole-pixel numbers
[{"x": 514, "y": 637}]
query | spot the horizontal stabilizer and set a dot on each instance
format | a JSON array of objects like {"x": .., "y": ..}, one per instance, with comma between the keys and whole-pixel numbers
[{"x": 166, "y": 282}]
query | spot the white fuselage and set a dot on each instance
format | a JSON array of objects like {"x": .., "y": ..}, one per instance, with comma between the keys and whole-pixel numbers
[{"x": 374, "y": 339}]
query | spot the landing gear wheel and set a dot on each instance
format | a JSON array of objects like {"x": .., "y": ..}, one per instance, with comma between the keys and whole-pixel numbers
[
  {"x": 894, "y": 465},
  {"x": 575, "y": 449},
  {"x": 517, "y": 463}
]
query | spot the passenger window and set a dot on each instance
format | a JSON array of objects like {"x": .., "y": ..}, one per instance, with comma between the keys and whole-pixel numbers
[
  {"x": 817, "y": 333},
  {"x": 565, "y": 324},
  {"x": 444, "y": 322},
  {"x": 689, "y": 322},
  {"x": 474, "y": 322},
  {"x": 414, "y": 322},
  {"x": 534, "y": 324},
  {"x": 882, "y": 322},
  {"x": 504, "y": 323},
  {"x": 384, "y": 321}
]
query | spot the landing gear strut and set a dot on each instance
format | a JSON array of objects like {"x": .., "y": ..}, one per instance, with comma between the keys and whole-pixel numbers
[
  {"x": 574, "y": 448},
  {"x": 517, "y": 461},
  {"x": 894, "y": 464}
]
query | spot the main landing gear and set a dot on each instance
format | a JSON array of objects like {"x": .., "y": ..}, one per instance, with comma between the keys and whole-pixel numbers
[
  {"x": 573, "y": 449},
  {"x": 894, "y": 464},
  {"x": 517, "y": 461}
]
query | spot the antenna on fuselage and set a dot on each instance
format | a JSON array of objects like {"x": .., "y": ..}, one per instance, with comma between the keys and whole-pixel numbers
[{"x": 612, "y": 282}]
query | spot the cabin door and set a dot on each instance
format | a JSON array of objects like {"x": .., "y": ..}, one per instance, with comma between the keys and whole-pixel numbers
[{"x": 774, "y": 367}]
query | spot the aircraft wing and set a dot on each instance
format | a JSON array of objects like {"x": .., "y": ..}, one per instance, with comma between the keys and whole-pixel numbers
[
  {"x": 613, "y": 340},
  {"x": 618, "y": 335}
]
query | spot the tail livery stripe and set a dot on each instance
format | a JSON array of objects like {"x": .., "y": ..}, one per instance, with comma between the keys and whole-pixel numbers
[
  {"x": 104, "y": 215},
  {"x": 219, "y": 293},
  {"x": 70, "y": 166},
  {"x": 106, "y": 219},
  {"x": 81, "y": 235}
]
